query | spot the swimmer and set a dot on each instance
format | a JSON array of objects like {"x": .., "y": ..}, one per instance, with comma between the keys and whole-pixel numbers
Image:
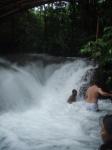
[
  {"x": 92, "y": 94},
  {"x": 106, "y": 132},
  {"x": 72, "y": 98}
]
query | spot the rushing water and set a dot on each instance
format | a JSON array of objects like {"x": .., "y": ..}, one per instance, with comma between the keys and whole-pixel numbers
[{"x": 34, "y": 113}]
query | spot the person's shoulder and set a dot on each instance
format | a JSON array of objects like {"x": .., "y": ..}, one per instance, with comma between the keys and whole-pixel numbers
[
  {"x": 99, "y": 89},
  {"x": 96, "y": 87}
]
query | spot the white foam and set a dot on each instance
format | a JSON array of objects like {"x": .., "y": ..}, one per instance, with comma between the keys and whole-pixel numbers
[{"x": 35, "y": 113}]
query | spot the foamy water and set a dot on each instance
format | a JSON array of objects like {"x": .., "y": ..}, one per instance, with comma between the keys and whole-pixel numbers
[{"x": 34, "y": 113}]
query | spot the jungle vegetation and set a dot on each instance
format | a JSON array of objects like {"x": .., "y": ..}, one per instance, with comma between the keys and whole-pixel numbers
[{"x": 63, "y": 28}]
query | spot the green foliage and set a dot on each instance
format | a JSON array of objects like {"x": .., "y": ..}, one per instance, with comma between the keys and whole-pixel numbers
[
  {"x": 28, "y": 31},
  {"x": 101, "y": 49},
  {"x": 60, "y": 28},
  {"x": 47, "y": 31}
]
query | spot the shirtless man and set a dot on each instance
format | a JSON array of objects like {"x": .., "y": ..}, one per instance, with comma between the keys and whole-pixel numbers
[{"x": 91, "y": 98}]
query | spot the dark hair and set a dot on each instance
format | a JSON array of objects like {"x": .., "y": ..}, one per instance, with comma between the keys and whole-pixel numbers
[
  {"x": 107, "y": 122},
  {"x": 74, "y": 92},
  {"x": 98, "y": 78},
  {"x": 97, "y": 82},
  {"x": 107, "y": 146}
]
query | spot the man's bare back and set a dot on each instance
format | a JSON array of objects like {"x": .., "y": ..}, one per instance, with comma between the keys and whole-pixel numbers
[
  {"x": 91, "y": 99},
  {"x": 93, "y": 92}
]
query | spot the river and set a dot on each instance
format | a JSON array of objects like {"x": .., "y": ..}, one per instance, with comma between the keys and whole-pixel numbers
[{"x": 34, "y": 113}]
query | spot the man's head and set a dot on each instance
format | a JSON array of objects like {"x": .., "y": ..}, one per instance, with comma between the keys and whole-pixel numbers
[
  {"x": 74, "y": 92},
  {"x": 106, "y": 128},
  {"x": 98, "y": 79},
  {"x": 96, "y": 82}
]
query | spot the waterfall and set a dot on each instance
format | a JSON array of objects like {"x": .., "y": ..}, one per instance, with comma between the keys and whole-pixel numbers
[{"x": 34, "y": 113}]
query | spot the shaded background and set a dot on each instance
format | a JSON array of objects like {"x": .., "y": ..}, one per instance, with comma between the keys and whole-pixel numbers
[
  {"x": 74, "y": 28},
  {"x": 58, "y": 28}
]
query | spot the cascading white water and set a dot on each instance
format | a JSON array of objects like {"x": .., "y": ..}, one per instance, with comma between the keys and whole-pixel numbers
[{"x": 34, "y": 113}]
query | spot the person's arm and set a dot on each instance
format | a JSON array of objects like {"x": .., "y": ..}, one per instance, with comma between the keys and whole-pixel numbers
[{"x": 101, "y": 92}]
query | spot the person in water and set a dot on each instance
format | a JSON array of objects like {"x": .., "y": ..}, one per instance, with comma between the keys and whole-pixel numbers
[
  {"x": 72, "y": 98},
  {"x": 106, "y": 132},
  {"x": 92, "y": 94}
]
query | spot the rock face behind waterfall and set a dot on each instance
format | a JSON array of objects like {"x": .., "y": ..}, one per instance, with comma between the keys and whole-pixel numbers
[
  {"x": 95, "y": 75},
  {"x": 88, "y": 78}
]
